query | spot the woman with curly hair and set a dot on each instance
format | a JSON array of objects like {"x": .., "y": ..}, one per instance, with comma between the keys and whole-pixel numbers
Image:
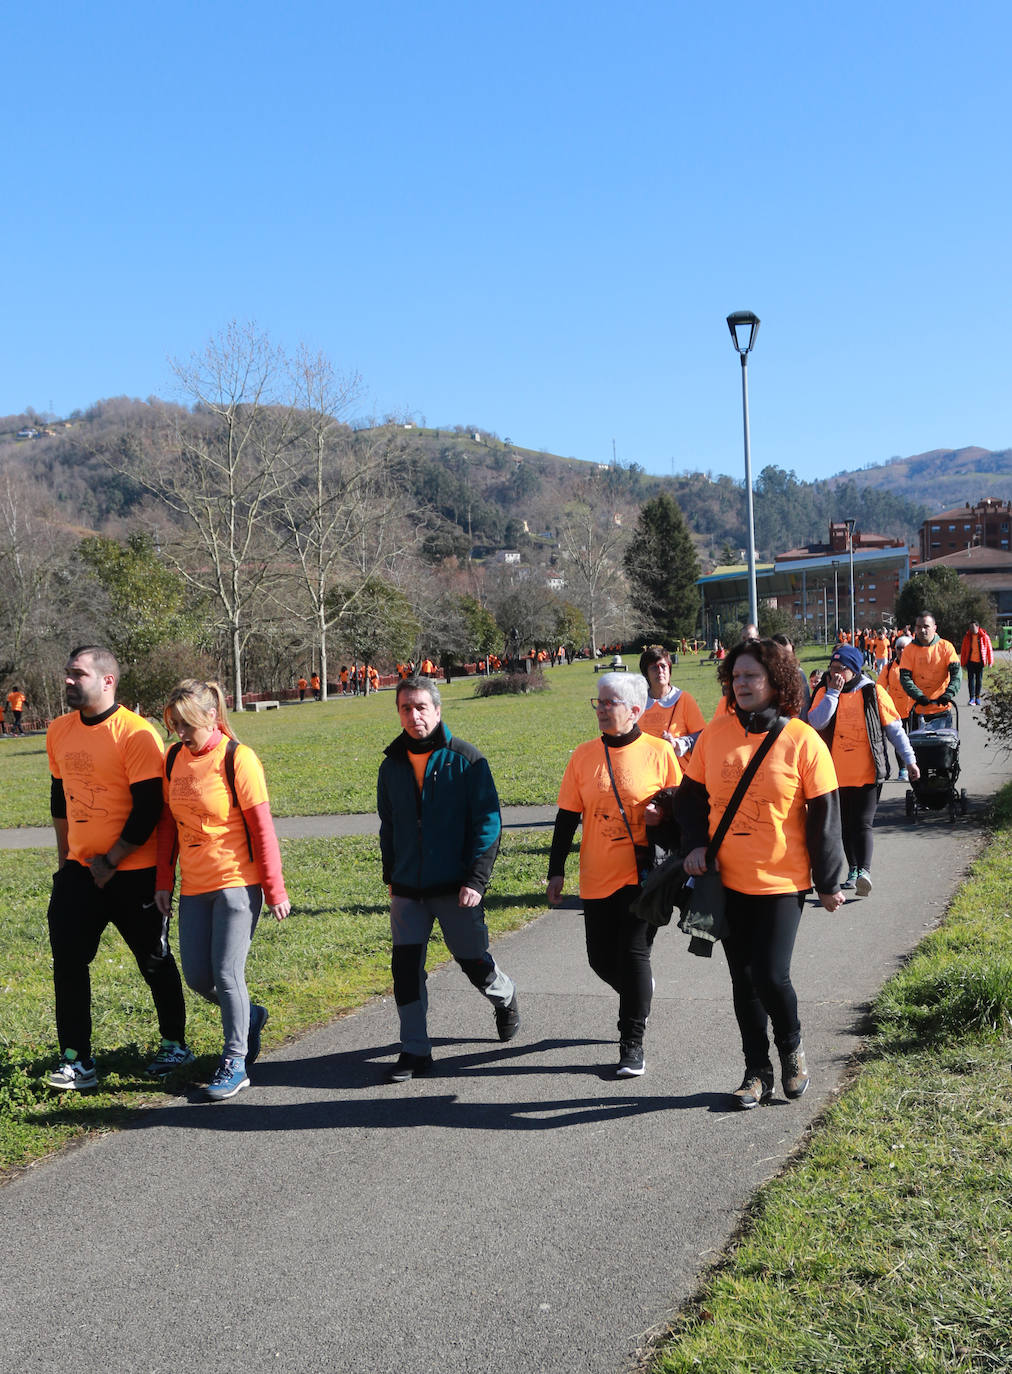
[{"x": 785, "y": 833}]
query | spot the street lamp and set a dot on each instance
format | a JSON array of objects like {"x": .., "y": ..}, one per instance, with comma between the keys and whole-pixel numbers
[
  {"x": 744, "y": 326},
  {"x": 850, "y": 544}
]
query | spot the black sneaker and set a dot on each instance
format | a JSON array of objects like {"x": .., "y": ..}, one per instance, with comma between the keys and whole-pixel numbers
[
  {"x": 756, "y": 1087},
  {"x": 507, "y": 1019},
  {"x": 410, "y": 1066},
  {"x": 631, "y": 1063}
]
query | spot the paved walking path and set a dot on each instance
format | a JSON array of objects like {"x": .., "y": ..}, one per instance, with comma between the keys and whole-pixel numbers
[{"x": 522, "y": 1210}]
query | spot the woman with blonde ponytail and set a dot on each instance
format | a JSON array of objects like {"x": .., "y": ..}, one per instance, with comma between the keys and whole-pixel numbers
[{"x": 217, "y": 822}]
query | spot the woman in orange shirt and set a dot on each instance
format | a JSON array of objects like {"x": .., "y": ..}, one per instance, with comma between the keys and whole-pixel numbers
[
  {"x": 785, "y": 833},
  {"x": 217, "y": 822},
  {"x": 608, "y": 784}
]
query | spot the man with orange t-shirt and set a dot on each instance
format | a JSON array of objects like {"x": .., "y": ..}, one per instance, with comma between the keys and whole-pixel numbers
[
  {"x": 930, "y": 673},
  {"x": 105, "y": 800},
  {"x": 16, "y": 701}
]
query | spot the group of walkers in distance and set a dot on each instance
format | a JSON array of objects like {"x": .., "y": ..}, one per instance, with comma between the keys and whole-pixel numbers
[{"x": 799, "y": 765}]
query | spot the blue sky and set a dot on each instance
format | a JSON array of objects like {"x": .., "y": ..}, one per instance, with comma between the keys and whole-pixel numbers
[{"x": 530, "y": 217}]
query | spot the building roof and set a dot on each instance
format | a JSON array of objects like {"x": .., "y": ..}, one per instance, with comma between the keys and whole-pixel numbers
[{"x": 978, "y": 558}]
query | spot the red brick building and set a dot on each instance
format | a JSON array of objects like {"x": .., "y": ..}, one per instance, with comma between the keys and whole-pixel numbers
[{"x": 984, "y": 525}]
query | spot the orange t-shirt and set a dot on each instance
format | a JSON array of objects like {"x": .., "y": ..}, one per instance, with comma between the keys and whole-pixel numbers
[
  {"x": 764, "y": 852},
  {"x": 642, "y": 768},
  {"x": 889, "y": 678},
  {"x": 97, "y": 765},
  {"x": 16, "y": 701},
  {"x": 213, "y": 852},
  {"x": 684, "y": 718},
  {"x": 880, "y": 647},
  {"x": 852, "y": 757}
]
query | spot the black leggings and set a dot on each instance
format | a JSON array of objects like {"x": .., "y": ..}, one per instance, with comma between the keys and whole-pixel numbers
[
  {"x": 759, "y": 945},
  {"x": 857, "y": 816},
  {"x": 618, "y": 950}
]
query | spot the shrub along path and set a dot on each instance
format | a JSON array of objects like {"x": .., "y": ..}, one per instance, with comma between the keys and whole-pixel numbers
[{"x": 520, "y": 1209}]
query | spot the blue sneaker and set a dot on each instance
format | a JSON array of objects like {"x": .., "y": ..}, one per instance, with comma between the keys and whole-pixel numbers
[
  {"x": 258, "y": 1018},
  {"x": 229, "y": 1079}
]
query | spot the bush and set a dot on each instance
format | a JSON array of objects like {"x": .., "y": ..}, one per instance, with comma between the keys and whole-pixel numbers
[
  {"x": 996, "y": 710},
  {"x": 512, "y": 684}
]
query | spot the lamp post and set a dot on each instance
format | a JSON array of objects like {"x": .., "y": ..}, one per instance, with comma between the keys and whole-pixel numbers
[
  {"x": 744, "y": 326},
  {"x": 850, "y": 545}
]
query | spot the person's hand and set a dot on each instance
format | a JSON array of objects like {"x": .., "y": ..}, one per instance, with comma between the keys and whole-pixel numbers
[
  {"x": 555, "y": 886},
  {"x": 652, "y": 814},
  {"x": 913, "y": 772},
  {"x": 468, "y": 896},
  {"x": 163, "y": 902},
  {"x": 836, "y": 681},
  {"x": 832, "y": 901},
  {"x": 280, "y": 909},
  {"x": 694, "y": 862},
  {"x": 102, "y": 871}
]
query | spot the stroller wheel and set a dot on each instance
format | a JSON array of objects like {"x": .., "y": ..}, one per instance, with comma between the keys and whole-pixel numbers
[
  {"x": 909, "y": 802},
  {"x": 962, "y": 801}
]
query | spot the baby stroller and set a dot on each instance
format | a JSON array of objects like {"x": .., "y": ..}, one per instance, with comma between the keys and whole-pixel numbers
[{"x": 937, "y": 754}]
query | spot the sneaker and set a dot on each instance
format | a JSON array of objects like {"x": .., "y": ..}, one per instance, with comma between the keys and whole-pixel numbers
[
  {"x": 258, "y": 1018},
  {"x": 631, "y": 1063},
  {"x": 170, "y": 1057},
  {"x": 229, "y": 1079},
  {"x": 862, "y": 883},
  {"x": 902, "y": 776},
  {"x": 74, "y": 1075},
  {"x": 756, "y": 1087},
  {"x": 410, "y": 1066},
  {"x": 507, "y": 1019},
  {"x": 850, "y": 880},
  {"x": 794, "y": 1072}
]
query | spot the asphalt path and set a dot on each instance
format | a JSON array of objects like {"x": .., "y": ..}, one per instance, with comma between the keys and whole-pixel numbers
[{"x": 521, "y": 1209}]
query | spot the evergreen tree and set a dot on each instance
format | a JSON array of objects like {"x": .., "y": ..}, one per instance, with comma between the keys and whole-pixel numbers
[{"x": 662, "y": 567}]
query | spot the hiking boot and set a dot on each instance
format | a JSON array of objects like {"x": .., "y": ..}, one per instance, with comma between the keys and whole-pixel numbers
[
  {"x": 631, "y": 1063},
  {"x": 258, "y": 1017},
  {"x": 73, "y": 1075},
  {"x": 410, "y": 1066},
  {"x": 794, "y": 1072},
  {"x": 507, "y": 1019},
  {"x": 862, "y": 884},
  {"x": 170, "y": 1057},
  {"x": 850, "y": 880},
  {"x": 756, "y": 1087},
  {"x": 229, "y": 1079}
]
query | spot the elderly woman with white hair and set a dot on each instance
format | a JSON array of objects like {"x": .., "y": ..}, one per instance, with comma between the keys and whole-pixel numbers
[{"x": 609, "y": 784}]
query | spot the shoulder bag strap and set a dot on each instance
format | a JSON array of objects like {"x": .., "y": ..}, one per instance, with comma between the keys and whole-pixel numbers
[
  {"x": 743, "y": 785},
  {"x": 618, "y": 797}
]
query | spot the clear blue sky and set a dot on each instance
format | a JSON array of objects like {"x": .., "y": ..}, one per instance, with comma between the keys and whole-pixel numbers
[{"x": 532, "y": 217}]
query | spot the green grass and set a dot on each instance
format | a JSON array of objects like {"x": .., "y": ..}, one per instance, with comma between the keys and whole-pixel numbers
[
  {"x": 887, "y": 1246},
  {"x": 331, "y": 955},
  {"x": 321, "y": 758}
]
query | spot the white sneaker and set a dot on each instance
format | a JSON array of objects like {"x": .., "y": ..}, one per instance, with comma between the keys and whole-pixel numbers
[
  {"x": 71, "y": 1074},
  {"x": 862, "y": 884}
]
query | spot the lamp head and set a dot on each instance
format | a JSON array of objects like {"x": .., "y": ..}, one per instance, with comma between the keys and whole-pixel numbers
[{"x": 744, "y": 326}]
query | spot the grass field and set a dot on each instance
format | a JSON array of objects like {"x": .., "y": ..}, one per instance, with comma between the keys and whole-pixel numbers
[{"x": 321, "y": 757}]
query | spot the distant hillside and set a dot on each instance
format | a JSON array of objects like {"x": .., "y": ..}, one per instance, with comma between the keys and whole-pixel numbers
[
  {"x": 942, "y": 478},
  {"x": 485, "y": 493}
]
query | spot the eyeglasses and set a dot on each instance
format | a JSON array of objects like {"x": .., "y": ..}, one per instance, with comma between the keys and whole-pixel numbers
[{"x": 605, "y": 703}]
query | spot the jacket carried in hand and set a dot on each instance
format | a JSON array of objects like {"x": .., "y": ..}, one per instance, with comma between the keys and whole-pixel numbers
[{"x": 446, "y": 836}]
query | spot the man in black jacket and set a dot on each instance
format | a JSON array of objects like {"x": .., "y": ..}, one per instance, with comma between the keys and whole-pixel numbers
[{"x": 439, "y": 837}]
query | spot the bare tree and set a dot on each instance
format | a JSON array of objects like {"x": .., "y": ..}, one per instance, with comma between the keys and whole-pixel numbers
[
  {"x": 342, "y": 514},
  {"x": 222, "y": 472},
  {"x": 592, "y": 545}
]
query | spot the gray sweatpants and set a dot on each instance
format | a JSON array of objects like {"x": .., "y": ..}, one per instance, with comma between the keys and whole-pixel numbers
[
  {"x": 466, "y": 936},
  {"x": 215, "y": 933}
]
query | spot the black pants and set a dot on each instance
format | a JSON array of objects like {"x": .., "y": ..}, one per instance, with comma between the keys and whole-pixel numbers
[
  {"x": 857, "y": 817},
  {"x": 759, "y": 945},
  {"x": 79, "y": 912},
  {"x": 974, "y": 679},
  {"x": 618, "y": 950}
]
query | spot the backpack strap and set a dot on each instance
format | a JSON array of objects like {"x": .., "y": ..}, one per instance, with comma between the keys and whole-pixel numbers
[
  {"x": 170, "y": 758},
  {"x": 230, "y": 747}
]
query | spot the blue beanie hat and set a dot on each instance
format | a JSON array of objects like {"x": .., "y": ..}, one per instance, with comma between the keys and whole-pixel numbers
[{"x": 849, "y": 656}]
